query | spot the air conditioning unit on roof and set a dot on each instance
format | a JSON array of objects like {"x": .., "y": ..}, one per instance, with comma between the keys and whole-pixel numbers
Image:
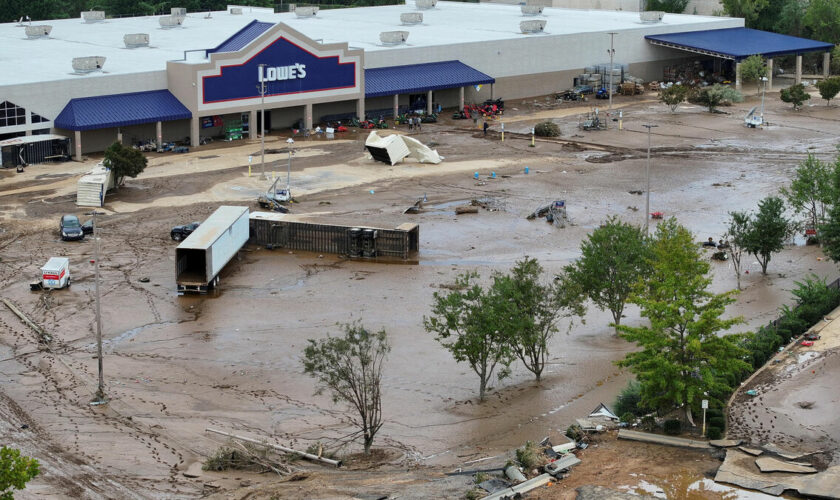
[
  {"x": 411, "y": 18},
  {"x": 425, "y": 4},
  {"x": 178, "y": 12},
  {"x": 393, "y": 37},
  {"x": 532, "y": 10},
  {"x": 535, "y": 26},
  {"x": 88, "y": 64},
  {"x": 236, "y": 11},
  {"x": 309, "y": 11},
  {"x": 651, "y": 16},
  {"x": 39, "y": 31},
  {"x": 167, "y": 22},
  {"x": 134, "y": 40},
  {"x": 93, "y": 16}
]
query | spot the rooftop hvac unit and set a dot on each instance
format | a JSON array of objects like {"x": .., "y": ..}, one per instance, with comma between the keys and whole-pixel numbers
[
  {"x": 88, "y": 64},
  {"x": 167, "y": 22},
  {"x": 393, "y": 37},
  {"x": 93, "y": 16},
  {"x": 535, "y": 26},
  {"x": 40, "y": 31},
  {"x": 178, "y": 12},
  {"x": 306, "y": 11},
  {"x": 411, "y": 18},
  {"x": 426, "y": 4},
  {"x": 236, "y": 11},
  {"x": 134, "y": 40},
  {"x": 651, "y": 16},
  {"x": 532, "y": 10}
]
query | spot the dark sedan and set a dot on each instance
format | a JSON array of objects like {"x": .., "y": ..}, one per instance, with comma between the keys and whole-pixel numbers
[
  {"x": 70, "y": 228},
  {"x": 178, "y": 233}
]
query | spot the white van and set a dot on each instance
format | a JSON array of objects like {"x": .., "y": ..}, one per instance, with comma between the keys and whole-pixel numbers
[{"x": 56, "y": 272}]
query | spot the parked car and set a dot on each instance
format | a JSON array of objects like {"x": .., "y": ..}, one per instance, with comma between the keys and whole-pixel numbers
[
  {"x": 812, "y": 336},
  {"x": 70, "y": 228},
  {"x": 583, "y": 89},
  {"x": 178, "y": 233}
]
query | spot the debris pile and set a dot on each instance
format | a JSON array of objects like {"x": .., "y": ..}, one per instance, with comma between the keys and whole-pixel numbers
[
  {"x": 394, "y": 148},
  {"x": 554, "y": 213}
]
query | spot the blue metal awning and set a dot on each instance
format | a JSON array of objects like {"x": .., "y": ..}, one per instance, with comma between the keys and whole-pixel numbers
[
  {"x": 738, "y": 43},
  {"x": 119, "y": 110},
  {"x": 421, "y": 78},
  {"x": 242, "y": 37}
]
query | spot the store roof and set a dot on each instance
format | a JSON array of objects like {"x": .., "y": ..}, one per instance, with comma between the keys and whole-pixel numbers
[
  {"x": 119, "y": 110},
  {"x": 738, "y": 43},
  {"x": 422, "y": 78},
  {"x": 243, "y": 37}
]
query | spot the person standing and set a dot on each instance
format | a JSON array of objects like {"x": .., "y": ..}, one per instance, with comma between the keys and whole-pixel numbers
[
  {"x": 486, "y": 126},
  {"x": 419, "y": 123}
]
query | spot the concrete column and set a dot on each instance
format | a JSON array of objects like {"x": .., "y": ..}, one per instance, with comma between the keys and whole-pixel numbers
[
  {"x": 491, "y": 92},
  {"x": 159, "y": 134},
  {"x": 194, "y": 132},
  {"x": 252, "y": 124},
  {"x": 396, "y": 105},
  {"x": 307, "y": 116},
  {"x": 826, "y": 63},
  {"x": 360, "y": 108},
  {"x": 28, "y": 131},
  {"x": 461, "y": 99},
  {"x": 78, "y": 138},
  {"x": 770, "y": 74},
  {"x": 429, "y": 102},
  {"x": 119, "y": 135},
  {"x": 738, "y": 76},
  {"x": 798, "y": 69}
]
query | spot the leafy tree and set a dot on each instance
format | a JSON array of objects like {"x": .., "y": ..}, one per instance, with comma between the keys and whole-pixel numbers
[
  {"x": 753, "y": 69},
  {"x": 466, "y": 322},
  {"x": 830, "y": 230},
  {"x": 681, "y": 355},
  {"x": 350, "y": 369},
  {"x": 768, "y": 231},
  {"x": 612, "y": 259},
  {"x": 717, "y": 94},
  {"x": 821, "y": 20},
  {"x": 672, "y": 6},
  {"x": 795, "y": 94},
  {"x": 531, "y": 309},
  {"x": 829, "y": 88},
  {"x": 835, "y": 60},
  {"x": 750, "y": 10},
  {"x": 810, "y": 191},
  {"x": 673, "y": 96},
  {"x": 124, "y": 161},
  {"x": 740, "y": 224},
  {"x": 790, "y": 20},
  {"x": 15, "y": 471}
]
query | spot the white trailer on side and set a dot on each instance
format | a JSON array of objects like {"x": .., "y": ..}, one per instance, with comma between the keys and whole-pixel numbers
[
  {"x": 56, "y": 273},
  {"x": 201, "y": 257}
]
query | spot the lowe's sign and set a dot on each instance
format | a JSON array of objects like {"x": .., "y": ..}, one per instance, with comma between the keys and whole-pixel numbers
[{"x": 285, "y": 68}]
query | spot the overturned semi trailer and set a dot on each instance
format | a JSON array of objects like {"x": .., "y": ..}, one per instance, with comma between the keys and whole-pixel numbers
[{"x": 296, "y": 232}]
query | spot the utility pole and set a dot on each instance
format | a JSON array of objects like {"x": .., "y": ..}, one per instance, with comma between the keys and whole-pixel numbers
[
  {"x": 99, "y": 398},
  {"x": 289, "y": 141},
  {"x": 647, "y": 176},
  {"x": 612, "y": 53},
  {"x": 261, "y": 89}
]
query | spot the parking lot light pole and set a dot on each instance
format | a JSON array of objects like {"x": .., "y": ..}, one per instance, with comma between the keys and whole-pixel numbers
[
  {"x": 99, "y": 397},
  {"x": 261, "y": 89},
  {"x": 289, "y": 141},
  {"x": 612, "y": 53},
  {"x": 647, "y": 177}
]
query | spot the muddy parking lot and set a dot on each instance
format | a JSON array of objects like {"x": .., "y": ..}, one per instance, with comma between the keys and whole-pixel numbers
[{"x": 176, "y": 365}]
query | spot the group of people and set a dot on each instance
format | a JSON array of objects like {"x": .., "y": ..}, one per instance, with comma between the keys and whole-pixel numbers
[
  {"x": 720, "y": 245},
  {"x": 415, "y": 121}
]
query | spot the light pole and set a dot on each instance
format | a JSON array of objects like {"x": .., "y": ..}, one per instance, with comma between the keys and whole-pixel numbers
[
  {"x": 99, "y": 397},
  {"x": 261, "y": 89},
  {"x": 289, "y": 141},
  {"x": 763, "y": 91},
  {"x": 612, "y": 53},
  {"x": 647, "y": 176}
]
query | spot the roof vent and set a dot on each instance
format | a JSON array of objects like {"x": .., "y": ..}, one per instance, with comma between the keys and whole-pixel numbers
[
  {"x": 178, "y": 12},
  {"x": 93, "y": 16},
  {"x": 651, "y": 16},
  {"x": 39, "y": 31},
  {"x": 306, "y": 11},
  {"x": 235, "y": 11},
  {"x": 425, "y": 4},
  {"x": 88, "y": 64},
  {"x": 532, "y": 10},
  {"x": 168, "y": 22},
  {"x": 535, "y": 26},
  {"x": 135, "y": 40},
  {"x": 393, "y": 37},
  {"x": 411, "y": 18}
]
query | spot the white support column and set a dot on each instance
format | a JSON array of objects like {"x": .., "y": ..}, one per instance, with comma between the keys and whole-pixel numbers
[
  {"x": 461, "y": 99},
  {"x": 119, "y": 135},
  {"x": 492, "y": 91},
  {"x": 826, "y": 64},
  {"x": 360, "y": 108},
  {"x": 307, "y": 116},
  {"x": 429, "y": 102},
  {"x": 396, "y": 105},
  {"x": 770, "y": 74},
  {"x": 78, "y": 138},
  {"x": 738, "y": 76},
  {"x": 798, "y": 78},
  {"x": 252, "y": 124},
  {"x": 194, "y": 132},
  {"x": 159, "y": 134}
]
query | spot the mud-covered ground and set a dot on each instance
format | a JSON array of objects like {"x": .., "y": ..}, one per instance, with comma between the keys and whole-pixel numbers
[{"x": 176, "y": 365}]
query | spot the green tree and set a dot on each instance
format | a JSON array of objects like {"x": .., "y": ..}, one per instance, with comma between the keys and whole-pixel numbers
[
  {"x": 835, "y": 60},
  {"x": 822, "y": 20},
  {"x": 830, "y": 230},
  {"x": 740, "y": 224},
  {"x": 829, "y": 88},
  {"x": 350, "y": 369},
  {"x": 673, "y": 96},
  {"x": 612, "y": 259},
  {"x": 753, "y": 69},
  {"x": 795, "y": 94},
  {"x": 530, "y": 310},
  {"x": 15, "y": 471},
  {"x": 124, "y": 161},
  {"x": 717, "y": 94},
  {"x": 750, "y": 10},
  {"x": 672, "y": 6},
  {"x": 790, "y": 20},
  {"x": 810, "y": 191},
  {"x": 768, "y": 231},
  {"x": 466, "y": 322},
  {"x": 681, "y": 355}
]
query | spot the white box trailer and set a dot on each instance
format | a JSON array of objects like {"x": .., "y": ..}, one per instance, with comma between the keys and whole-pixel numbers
[
  {"x": 56, "y": 273},
  {"x": 202, "y": 256}
]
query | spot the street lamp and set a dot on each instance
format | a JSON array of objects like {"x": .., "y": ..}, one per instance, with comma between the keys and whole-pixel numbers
[
  {"x": 289, "y": 141},
  {"x": 611, "y": 53},
  {"x": 647, "y": 176},
  {"x": 763, "y": 91},
  {"x": 99, "y": 398},
  {"x": 261, "y": 89}
]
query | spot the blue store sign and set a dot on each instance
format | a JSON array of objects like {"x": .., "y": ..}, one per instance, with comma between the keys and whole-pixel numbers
[{"x": 289, "y": 69}]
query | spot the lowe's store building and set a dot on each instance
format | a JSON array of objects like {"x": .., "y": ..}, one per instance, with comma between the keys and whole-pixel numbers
[{"x": 188, "y": 75}]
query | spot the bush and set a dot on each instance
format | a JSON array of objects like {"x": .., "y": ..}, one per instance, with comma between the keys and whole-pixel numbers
[
  {"x": 718, "y": 422},
  {"x": 630, "y": 400},
  {"x": 480, "y": 477},
  {"x": 713, "y": 433},
  {"x": 628, "y": 417},
  {"x": 475, "y": 494},
  {"x": 672, "y": 427},
  {"x": 719, "y": 95},
  {"x": 547, "y": 129},
  {"x": 829, "y": 88},
  {"x": 714, "y": 412},
  {"x": 648, "y": 423},
  {"x": 574, "y": 432},
  {"x": 795, "y": 94},
  {"x": 530, "y": 456}
]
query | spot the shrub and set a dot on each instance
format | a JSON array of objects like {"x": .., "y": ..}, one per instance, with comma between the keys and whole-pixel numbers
[
  {"x": 672, "y": 427},
  {"x": 628, "y": 417},
  {"x": 529, "y": 456},
  {"x": 718, "y": 422},
  {"x": 713, "y": 433},
  {"x": 547, "y": 129},
  {"x": 629, "y": 400},
  {"x": 574, "y": 432},
  {"x": 829, "y": 88},
  {"x": 480, "y": 477},
  {"x": 648, "y": 423},
  {"x": 475, "y": 494},
  {"x": 795, "y": 94},
  {"x": 673, "y": 96},
  {"x": 714, "y": 412},
  {"x": 719, "y": 95}
]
